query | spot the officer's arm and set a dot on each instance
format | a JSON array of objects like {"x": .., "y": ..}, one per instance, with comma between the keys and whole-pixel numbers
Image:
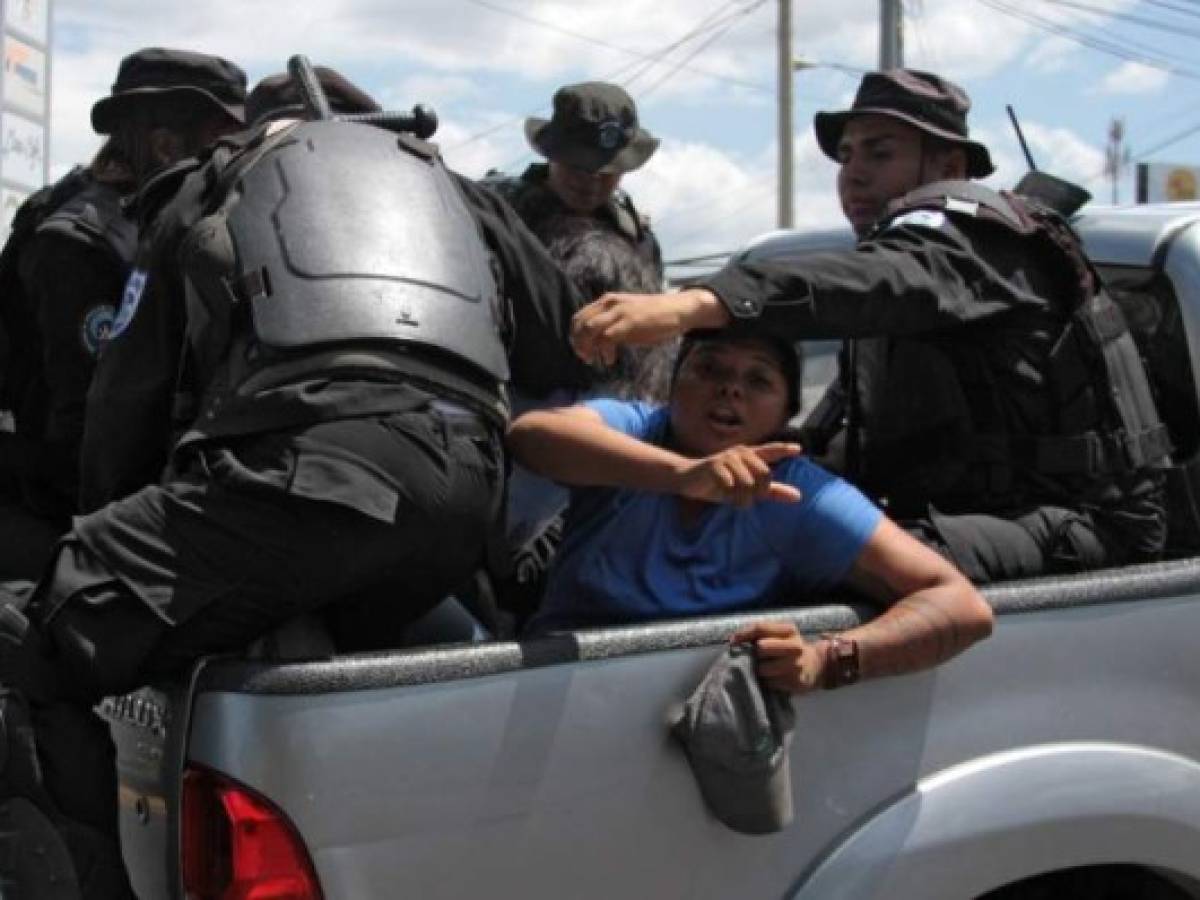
[
  {"x": 75, "y": 290},
  {"x": 128, "y": 424},
  {"x": 907, "y": 280},
  {"x": 542, "y": 298}
]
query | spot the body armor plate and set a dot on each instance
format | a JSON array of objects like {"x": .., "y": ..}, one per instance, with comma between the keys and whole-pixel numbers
[{"x": 345, "y": 233}]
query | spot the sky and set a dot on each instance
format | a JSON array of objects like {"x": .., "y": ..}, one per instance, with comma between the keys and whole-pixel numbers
[{"x": 703, "y": 73}]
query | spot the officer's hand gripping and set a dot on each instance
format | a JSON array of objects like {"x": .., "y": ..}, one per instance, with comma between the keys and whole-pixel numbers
[{"x": 640, "y": 320}]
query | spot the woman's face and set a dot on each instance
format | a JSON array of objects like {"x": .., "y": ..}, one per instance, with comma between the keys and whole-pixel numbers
[{"x": 728, "y": 393}]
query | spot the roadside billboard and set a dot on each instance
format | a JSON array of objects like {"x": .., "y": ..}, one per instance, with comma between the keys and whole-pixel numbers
[
  {"x": 25, "y": 29},
  {"x": 1159, "y": 182}
]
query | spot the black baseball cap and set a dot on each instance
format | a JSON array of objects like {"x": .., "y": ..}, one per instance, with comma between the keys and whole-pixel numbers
[
  {"x": 736, "y": 734},
  {"x": 160, "y": 70},
  {"x": 276, "y": 96},
  {"x": 594, "y": 127},
  {"x": 925, "y": 101}
]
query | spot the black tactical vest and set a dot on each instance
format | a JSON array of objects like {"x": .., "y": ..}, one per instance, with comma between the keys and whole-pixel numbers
[
  {"x": 77, "y": 208},
  {"x": 538, "y": 206},
  {"x": 332, "y": 246},
  {"x": 1020, "y": 410}
]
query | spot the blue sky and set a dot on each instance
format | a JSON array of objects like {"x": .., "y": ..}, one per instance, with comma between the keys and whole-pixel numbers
[{"x": 485, "y": 64}]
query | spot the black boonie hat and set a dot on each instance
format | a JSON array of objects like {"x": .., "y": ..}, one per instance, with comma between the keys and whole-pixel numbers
[
  {"x": 159, "y": 70},
  {"x": 276, "y": 97},
  {"x": 595, "y": 128},
  {"x": 923, "y": 100}
]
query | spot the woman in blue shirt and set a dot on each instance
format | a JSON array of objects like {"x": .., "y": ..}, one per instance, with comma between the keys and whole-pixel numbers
[{"x": 694, "y": 508}]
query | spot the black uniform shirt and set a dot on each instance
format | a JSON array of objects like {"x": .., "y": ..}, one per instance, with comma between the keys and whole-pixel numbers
[
  {"x": 537, "y": 204},
  {"x": 73, "y": 272},
  {"x": 911, "y": 277},
  {"x": 953, "y": 330}
]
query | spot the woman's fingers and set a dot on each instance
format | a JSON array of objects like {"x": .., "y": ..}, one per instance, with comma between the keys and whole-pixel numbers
[
  {"x": 761, "y": 630},
  {"x": 775, "y": 451}
]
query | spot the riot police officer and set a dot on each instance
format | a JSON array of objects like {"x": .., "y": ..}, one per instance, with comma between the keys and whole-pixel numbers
[
  {"x": 592, "y": 139},
  {"x": 354, "y": 311},
  {"x": 137, "y": 403},
  {"x": 64, "y": 269},
  {"x": 995, "y": 400}
]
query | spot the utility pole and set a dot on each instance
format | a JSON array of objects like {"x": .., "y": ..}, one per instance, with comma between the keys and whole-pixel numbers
[
  {"x": 785, "y": 218},
  {"x": 1116, "y": 156},
  {"x": 891, "y": 34}
]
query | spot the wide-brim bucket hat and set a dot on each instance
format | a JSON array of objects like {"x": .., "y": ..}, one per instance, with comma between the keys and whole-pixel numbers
[
  {"x": 923, "y": 100},
  {"x": 594, "y": 127},
  {"x": 161, "y": 70}
]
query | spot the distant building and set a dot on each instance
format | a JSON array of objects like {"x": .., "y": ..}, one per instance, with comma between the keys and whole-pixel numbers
[{"x": 24, "y": 103}]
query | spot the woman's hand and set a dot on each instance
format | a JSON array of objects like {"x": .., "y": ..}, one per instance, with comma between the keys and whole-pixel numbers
[
  {"x": 740, "y": 476},
  {"x": 641, "y": 319},
  {"x": 786, "y": 661}
]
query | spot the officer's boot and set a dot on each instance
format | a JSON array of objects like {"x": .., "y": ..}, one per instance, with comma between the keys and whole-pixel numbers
[
  {"x": 43, "y": 854},
  {"x": 35, "y": 861}
]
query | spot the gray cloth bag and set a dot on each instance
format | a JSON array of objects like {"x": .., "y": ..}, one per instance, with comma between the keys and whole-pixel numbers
[{"x": 736, "y": 735}]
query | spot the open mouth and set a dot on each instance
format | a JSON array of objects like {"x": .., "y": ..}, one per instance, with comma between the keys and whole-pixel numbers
[{"x": 724, "y": 418}]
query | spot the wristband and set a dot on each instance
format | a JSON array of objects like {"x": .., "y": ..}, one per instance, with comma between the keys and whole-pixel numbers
[{"x": 841, "y": 662}]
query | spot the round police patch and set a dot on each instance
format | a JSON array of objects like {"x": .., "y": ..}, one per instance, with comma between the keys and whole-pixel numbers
[
  {"x": 611, "y": 134},
  {"x": 96, "y": 327}
]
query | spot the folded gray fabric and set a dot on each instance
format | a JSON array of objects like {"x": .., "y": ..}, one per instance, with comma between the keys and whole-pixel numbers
[{"x": 736, "y": 735}]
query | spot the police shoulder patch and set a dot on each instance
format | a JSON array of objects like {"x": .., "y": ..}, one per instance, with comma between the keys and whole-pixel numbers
[
  {"x": 130, "y": 298},
  {"x": 921, "y": 218},
  {"x": 96, "y": 327}
]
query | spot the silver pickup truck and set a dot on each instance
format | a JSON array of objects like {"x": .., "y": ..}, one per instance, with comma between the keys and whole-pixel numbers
[{"x": 1059, "y": 759}]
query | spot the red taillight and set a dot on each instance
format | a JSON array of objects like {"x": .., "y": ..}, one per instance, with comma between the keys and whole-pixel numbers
[{"x": 239, "y": 846}]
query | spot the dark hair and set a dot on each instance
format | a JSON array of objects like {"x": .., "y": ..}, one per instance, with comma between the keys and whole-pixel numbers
[
  {"x": 596, "y": 257},
  {"x": 182, "y": 114},
  {"x": 789, "y": 354},
  {"x": 599, "y": 260}
]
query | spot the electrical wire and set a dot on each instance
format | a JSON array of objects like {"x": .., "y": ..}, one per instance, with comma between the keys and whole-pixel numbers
[
  {"x": 616, "y": 74},
  {"x": 1143, "y": 21},
  {"x": 704, "y": 45},
  {"x": 641, "y": 55},
  {"x": 1099, "y": 44}
]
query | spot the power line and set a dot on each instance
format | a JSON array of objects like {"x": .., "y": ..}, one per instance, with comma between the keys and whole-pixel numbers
[
  {"x": 1143, "y": 21},
  {"x": 587, "y": 38},
  {"x": 1143, "y": 155},
  {"x": 1174, "y": 7},
  {"x": 1090, "y": 41},
  {"x": 704, "y": 45},
  {"x": 1169, "y": 142},
  {"x": 615, "y": 74},
  {"x": 713, "y": 21}
]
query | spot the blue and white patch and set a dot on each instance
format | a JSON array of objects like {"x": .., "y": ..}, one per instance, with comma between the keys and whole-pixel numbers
[
  {"x": 130, "y": 298},
  {"x": 921, "y": 218},
  {"x": 610, "y": 134},
  {"x": 96, "y": 327}
]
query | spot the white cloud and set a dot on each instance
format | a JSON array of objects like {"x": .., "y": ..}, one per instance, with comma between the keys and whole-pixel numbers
[
  {"x": 1053, "y": 55},
  {"x": 702, "y": 199},
  {"x": 1134, "y": 78}
]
